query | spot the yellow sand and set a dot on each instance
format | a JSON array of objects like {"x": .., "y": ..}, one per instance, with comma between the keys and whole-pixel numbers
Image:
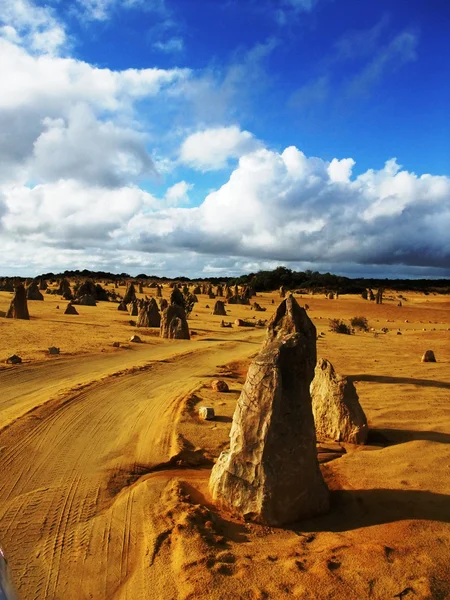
[{"x": 84, "y": 513}]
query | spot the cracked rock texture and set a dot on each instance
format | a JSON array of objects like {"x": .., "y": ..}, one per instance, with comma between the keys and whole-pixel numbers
[
  {"x": 271, "y": 473},
  {"x": 337, "y": 412}
]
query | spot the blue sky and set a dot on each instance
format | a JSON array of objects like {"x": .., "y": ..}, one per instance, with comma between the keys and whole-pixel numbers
[{"x": 200, "y": 137}]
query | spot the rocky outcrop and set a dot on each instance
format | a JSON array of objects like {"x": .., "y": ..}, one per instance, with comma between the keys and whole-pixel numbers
[
  {"x": 428, "y": 356},
  {"x": 64, "y": 289},
  {"x": 219, "y": 308},
  {"x": 70, "y": 309},
  {"x": 290, "y": 317},
  {"x": 133, "y": 308},
  {"x": 33, "y": 292},
  {"x": 271, "y": 473},
  {"x": 176, "y": 297},
  {"x": 174, "y": 323},
  {"x": 18, "y": 308},
  {"x": 130, "y": 296},
  {"x": 337, "y": 412},
  {"x": 86, "y": 300},
  {"x": 148, "y": 314},
  {"x": 257, "y": 307}
]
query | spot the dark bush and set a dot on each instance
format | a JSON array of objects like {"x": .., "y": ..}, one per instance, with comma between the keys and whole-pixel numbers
[
  {"x": 360, "y": 323},
  {"x": 338, "y": 326}
]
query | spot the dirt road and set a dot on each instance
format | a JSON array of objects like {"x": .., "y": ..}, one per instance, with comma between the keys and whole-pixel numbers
[{"x": 73, "y": 520}]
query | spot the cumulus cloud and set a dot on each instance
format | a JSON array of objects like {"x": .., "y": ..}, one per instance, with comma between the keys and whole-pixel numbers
[
  {"x": 288, "y": 207},
  {"x": 35, "y": 27},
  {"x": 178, "y": 194},
  {"x": 275, "y": 207},
  {"x": 70, "y": 214},
  {"x": 212, "y": 148},
  {"x": 98, "y": 153},
  {"x": 60, "y": 117}
]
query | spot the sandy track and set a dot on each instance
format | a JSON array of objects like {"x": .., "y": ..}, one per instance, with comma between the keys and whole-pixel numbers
[{"x": 70, "y": 522}]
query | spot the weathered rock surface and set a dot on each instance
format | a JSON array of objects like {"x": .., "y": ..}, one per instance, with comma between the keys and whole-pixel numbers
[
  {"x": 337, "y": 412},
  {"x": 33, "y": 292},
  {"x": 130, "y": 296},
  {"x": 86, "y": 300},
  {"x": 206, "y": 413},
  {"x": 14, "y": 360},
  {"x": 271, "y": 473},
  {"x": 290, "y": 317},
  {"x": 176, "y": 297},
  {"x": 174, "y": 324},
  {"x": 64, "y": 289},
  {"x": 70, "y": 309},
  {"x": 18, "y": 308},
  {"x": 149, "y": 314},
  {"x": 428, "y": 356},
  {"x": 219, "y": 385},
  {"x": 219, "y": 308},
  {"x": 257, "y": 307}
]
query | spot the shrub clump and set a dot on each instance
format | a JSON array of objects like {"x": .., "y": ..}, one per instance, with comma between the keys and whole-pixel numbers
[
  {"x": 360, "y": 323},
  {"x": 338, "y": 326}
]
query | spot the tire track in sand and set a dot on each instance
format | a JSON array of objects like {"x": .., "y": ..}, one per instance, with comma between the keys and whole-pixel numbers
[{"x": 76, "y": 541}]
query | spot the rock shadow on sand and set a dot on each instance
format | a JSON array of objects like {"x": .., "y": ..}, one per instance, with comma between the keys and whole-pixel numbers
[
  {"x": 355, "y": 509},
  {"x": 399, "y": 380},
  {"x": 391, "y": 437}
]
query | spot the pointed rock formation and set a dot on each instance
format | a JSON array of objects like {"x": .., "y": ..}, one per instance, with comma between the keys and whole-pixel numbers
[
  {"x": 70, "y": 309},
  {"x": 130, "y": 296},
  {"x": 18, "y": 308},
  {"x": 428, "y": 356},
  {"x": 86, "y": 300},
  {"x": 337, "y": 412},
  {"x": 33, "y": 292},
  {"x": 176, "y": 297},
  {"x": 290, "y": 317},
  {"x": 271, "y": 473},
  {"x": 149, "y": 314},
  {"x": 64, "y": 289},
  {"x": 174, "y": 324},
  {"x": 219, "y": 308},
  {"x": 133, "y": 308}
]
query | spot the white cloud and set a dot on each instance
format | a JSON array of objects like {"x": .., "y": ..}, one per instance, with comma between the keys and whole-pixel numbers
[
  {"x": 98, "y": 153},
  {"x": 275, "y": 207},
  {"x": 288, "y": 207},
  {"x": 33, "y": 26},
  {"x": 44, "y": 101},
  {"x": 101, "y": 10},
  {"x": 172, "y": 45},
  {"x": 178, "y": 194},
  {"x": 212, "y": 148}
]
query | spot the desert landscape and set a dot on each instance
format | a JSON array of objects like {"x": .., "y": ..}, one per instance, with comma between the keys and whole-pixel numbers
[{"x": 106, "y": 461}]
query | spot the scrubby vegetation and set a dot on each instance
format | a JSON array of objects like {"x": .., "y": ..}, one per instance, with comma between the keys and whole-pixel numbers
[
  {"x": 339, "y": 326},
  {"x": 360, "y": 323},
  {"x": 264, "y": 281}
]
